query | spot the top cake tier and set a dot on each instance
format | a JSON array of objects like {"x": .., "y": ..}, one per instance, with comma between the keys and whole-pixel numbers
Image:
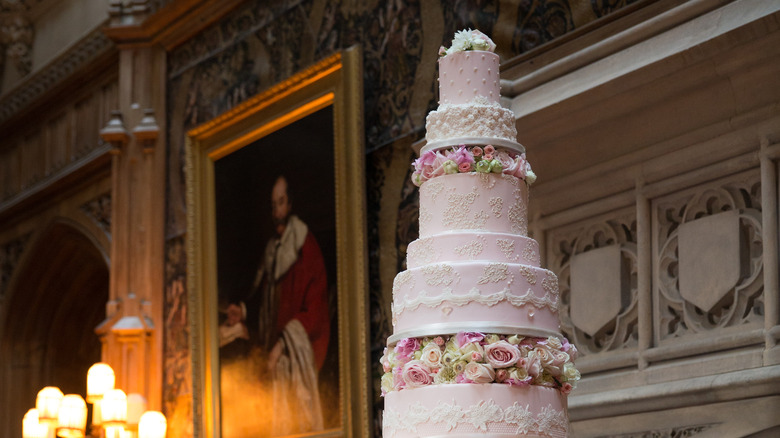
[{"x": 468, "y": 76}]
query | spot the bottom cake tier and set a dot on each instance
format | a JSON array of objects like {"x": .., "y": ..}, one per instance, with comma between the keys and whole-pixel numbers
[{"x": 469, "y": 409}]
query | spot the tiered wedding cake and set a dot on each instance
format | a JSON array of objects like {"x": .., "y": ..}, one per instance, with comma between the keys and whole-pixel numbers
[{"x": 476, "y": 348}]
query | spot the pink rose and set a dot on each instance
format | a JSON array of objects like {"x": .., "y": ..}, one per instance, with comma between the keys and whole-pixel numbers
[
  {"x": 477, "y": 151},
  {"x": 460, "y": 378},
  {"x": 521, "y": 166},
  {"x": 476, "y": 356},
  {"x": 479, "y": 373},
  {"x": 502, "y": 354},
  {"x": 464, "y": 167},
  {"x": 416, "y": 374},
  {"x": 507, "y": 162},
  {"x": 486, "y": 41},
  {"x": 533, "y": 365},
  {"x": 398, "y": 380},
  {"x": 487, "y": 157},
  {"x": 569, "y": 349},
  {"x": 489, "y": 149},
  {"x": 501, "y": 375},
  {"x": 463, "y": 338},
  {"x": 566, "y": 387},
  {"x": 426, "y": 159},
  {"x": 461, "y": 155},
  {"x": 406, "y": 347},
  {"x": 438, "y": 340}
]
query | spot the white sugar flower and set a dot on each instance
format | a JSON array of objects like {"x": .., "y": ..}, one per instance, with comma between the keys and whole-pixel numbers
[{"x": 461, "y": 42}]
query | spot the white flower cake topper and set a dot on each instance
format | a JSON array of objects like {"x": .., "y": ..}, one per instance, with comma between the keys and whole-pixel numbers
[{"x": 468, "y": 40}]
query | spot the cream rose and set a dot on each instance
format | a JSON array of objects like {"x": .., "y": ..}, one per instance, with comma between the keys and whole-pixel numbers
[
  {"x": 570, "y": 372},
  {"x": 502, "y": 354},
  {"x": 431, "y": 355},
  {"x": 544, "y": 355},
  {"x": 416, "y": 374},
  {"x": 387, "y": 383},
  {"x": 479, "y": 373},
  {"x": 554, "y": 343}
]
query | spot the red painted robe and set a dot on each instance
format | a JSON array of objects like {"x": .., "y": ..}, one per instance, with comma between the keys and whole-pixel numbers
[{"x": 301, "y": 290}]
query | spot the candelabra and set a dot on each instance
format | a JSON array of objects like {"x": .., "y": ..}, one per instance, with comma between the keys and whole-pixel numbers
[{"x": 114, "y": 413}]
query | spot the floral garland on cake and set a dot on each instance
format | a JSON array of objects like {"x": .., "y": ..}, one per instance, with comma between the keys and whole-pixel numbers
[
  {"x": 470, "y": 357},
  {"x": 464, "y": 159},
  {"x": 468, "y": 40}
]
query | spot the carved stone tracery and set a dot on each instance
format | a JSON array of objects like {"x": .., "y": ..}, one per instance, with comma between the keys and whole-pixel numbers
[
  {"x": 619, "y": 329},
  {"x": 740, "y": 303}
]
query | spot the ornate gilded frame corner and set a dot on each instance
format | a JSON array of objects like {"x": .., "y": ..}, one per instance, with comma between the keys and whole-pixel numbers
[{"x": 336, "y": 81}]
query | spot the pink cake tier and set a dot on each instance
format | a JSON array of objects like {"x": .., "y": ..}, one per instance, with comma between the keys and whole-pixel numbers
[
  {"x": 469, "y": 104},
  {"x": 473, "y": 201},
  {"x": 475, "y": 296},
  {"x": 468, "y": 410},
  {"x": 456, "y": 246},
  {"x": 466, "y": 76}
]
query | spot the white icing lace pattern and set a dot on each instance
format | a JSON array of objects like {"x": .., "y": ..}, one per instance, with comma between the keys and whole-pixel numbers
[
  {"x": 470, "y": 120},
  {"x": 440, "y": 275},
  {"x": 497, "y": 204},
  {"x": 473, "y": 249},
  {"x": 549, "y": 300},
  {"x": 486, "y": 416},
  {"x": 518, "y": 219},
  {"x": 531, "y": 253},
  {"x": 433, "y": 188},
  {"x": 488, "y": 182},
  {"x": 422, "y": 252},
  {"x": 529, "y": 275},
  {"x": 494, "y": 273},
  {"x": 507, "y": 246},
  {"x": 550, "y": 283},
  {"x": 458, "y": 215}
]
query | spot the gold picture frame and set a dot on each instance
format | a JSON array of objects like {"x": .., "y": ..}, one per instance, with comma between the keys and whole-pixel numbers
[{"x": 334, "y": 83}]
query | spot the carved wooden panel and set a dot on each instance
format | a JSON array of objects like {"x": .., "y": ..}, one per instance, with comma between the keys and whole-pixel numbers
[
  {"x": 64, "y": 136},
  {"x": 708, "y": 258},
  {"x": 606, "y": 245}
]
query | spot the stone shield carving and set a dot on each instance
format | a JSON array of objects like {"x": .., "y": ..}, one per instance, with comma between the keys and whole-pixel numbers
[
  {"x": 596, "y": 288},
  {"x": 709, "y": 256}
]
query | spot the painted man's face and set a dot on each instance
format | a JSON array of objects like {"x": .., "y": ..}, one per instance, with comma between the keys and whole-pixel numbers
[{"x": 280, "y": 205}]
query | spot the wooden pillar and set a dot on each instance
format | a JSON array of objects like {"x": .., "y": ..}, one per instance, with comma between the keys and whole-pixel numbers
[{"x": 132, "y": 335}]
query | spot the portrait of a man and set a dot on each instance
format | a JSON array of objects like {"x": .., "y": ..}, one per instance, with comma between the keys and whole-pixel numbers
[{"x": 276, "y": 278}]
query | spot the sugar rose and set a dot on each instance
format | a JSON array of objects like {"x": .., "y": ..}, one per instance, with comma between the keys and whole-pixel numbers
[
  {"x": 416, "y": 374},
  {"x": 533, "y": 365},
  {"x": 544, "y": 355},
  {"x": 431, "y": 355},
  {"x": 479, "y": 373},
  {"x": 502, "y": 354}
]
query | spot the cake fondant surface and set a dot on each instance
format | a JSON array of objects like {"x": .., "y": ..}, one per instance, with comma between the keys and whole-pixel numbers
[
  {"x": 476, "y": 348},
  {"x": 468, "y": 410}
]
